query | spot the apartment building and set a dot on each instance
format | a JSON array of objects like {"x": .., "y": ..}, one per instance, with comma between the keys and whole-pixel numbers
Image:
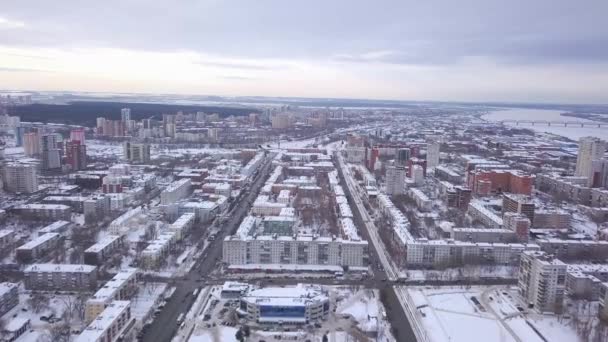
[
  {"x": 43, "y": 211},
  {"x": 121, "y": 287},
  {"x": 9, "y": 297},
  {"x": 542, "y": 281},
  {"x": 395, "y": 180},
  {"x": 176, "y": 191},
  {"x": 115, "y": 323},
  {"x": 100, "y": 251},
  {"x": 38, "y": 247},
  {"x": 60, "y": 277},
  {"x": 20, "y": 178},
  {"x": 300, "y": 250},
  {"x": 520, "y": 204}
]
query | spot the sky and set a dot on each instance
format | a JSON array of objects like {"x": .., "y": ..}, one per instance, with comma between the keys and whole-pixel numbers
[{"x": 446, "y": 50}]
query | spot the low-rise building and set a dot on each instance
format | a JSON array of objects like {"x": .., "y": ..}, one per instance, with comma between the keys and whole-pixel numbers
[
  {"x": 115, "y": 323},
  {"x": 60, "y": 277},
  {"x": 121, "y": 287},
  {"x": 100, "y": 251},
  {"x": 39, "y": 211},
  {"x": 38, "y": 247},
  {"x": 301, "y": 304},
  {"x": 9, "y": 297}
]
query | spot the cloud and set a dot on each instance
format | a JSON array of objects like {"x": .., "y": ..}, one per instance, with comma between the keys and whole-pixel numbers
[
  {"x": 240, "y": 78},
  {"x": 8, "y": 23},
  {"x": 242, "y": 66},
  {"x": 399, "y": 48},
  {"x": 8, "y": 69}
]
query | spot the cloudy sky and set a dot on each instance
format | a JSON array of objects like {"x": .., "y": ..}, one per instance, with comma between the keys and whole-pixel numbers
[{"x": 468, "y": 50}]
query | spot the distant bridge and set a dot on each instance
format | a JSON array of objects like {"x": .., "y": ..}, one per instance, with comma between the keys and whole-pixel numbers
[{"x": 556, "y": 123}]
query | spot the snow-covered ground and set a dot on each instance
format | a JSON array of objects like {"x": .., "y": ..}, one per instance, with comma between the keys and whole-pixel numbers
[
  {"x": 358, "y": 316},
  {"x": 466, "y": 314}
]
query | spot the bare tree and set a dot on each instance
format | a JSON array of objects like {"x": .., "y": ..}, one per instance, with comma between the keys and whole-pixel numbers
[{"x": 38, "y": 301}]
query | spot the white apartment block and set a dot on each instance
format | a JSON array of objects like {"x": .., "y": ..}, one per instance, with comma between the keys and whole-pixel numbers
[
  {"x": 589, "y": 149},
  {"x": 157, "y": 250},
  {"x": 542, "y": 281},
  {"x": 395, "y": 180},
  {"x": 301, "y": 250},
  {"x": 44, "y": 211},
  {"x": 477, "y": 210},
  {"x": 20, "y": 178},
  {"x": 115, "y": 323},
  {"x": 443, "y": 253},
  {"x": 432, "y": 154},
  {"x": 176, "y": 191},
  {"x": 121, "y": 287},
  {"x": 182, "y": 225},
  {"x": 423, "y": 203}
]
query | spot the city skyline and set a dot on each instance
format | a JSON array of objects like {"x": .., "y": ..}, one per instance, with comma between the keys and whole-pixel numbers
[{"x": 548, "y": 51}]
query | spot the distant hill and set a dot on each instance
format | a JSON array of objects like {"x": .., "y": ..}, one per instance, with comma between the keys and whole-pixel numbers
[{"x": 85, "y": 112}]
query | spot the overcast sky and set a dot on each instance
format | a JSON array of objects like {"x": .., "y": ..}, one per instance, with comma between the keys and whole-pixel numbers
[{"x": 475, "y": 50}]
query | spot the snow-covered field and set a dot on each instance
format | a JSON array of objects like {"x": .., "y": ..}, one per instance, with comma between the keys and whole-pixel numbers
[{"x": 466, "y": 314}]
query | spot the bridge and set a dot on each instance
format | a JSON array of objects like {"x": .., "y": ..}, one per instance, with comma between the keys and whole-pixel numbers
[{"x": 556, "y": 123}]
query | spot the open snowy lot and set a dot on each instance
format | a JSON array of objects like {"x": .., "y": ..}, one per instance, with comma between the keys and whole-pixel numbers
[{"x": 465, "y": 314}]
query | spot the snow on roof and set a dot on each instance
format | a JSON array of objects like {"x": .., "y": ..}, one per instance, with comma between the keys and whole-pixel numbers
[
  {"x": 479, "y": 206},
  {"x": 160, "y": 243},
  {"x": 40, "y": 206},
  {"x": 109, "y": 289},
  {"x": 174, "y": 186},
  {"x": 97, "y": 329},
  {"x": 349, "y": 229},
  {"x": 246, "y": 227},
  {"x": 299, "y": 295},
  {"x": 233, "y": 286},
  {"x": 6, "y": 232},
  {"x": 345, "y": 210},
  {"x": 42, "y": 239},
  {"x": 183, "y": 220},
  {"x": 60, "y": 268},
  {"x": 57, "y": 225},
  {"x": 102, "y": 244},
  {"x": 6, "y": 287},
  {"x": 289, "y": 212}
]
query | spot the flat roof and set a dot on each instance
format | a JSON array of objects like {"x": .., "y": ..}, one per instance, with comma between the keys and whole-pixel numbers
[
  {"x": 61, "y": 268},
  {"x": 42, "y": 239},
  {"x": 103, "y": 322}
]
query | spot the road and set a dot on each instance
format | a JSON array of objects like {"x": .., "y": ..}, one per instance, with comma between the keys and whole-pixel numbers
[
  {"x": 164, "y": 327},
  {"x": 384, "y": 276}
]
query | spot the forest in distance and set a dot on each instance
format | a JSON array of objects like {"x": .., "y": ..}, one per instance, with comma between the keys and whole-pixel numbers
[{"x": 85, "y": 112}]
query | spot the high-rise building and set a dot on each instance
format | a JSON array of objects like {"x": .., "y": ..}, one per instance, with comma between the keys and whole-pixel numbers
[
  {"x": 542, "y": 281},
  {"x": 417, "y": 174},
  {"x": 136, "y": 152},
  {"x": 77, "y": 135},
  {"x": 125, "y": 114},
  {"x": 147, "y": 123},
  {"x": 51, "y": 155},
  {"x": 282, "y": 121},
  {"x": 31, "y": 144},
  {"x": 76, "y": 155},
  {"x": 432, "y": 154},
  {"x": 589, "y": 149},
  {"x": 402, "y": 155},
  {"x": 19, "y": 132},
  {"x": 20, "y": 178},
  {"x": 395, "y": 180}
]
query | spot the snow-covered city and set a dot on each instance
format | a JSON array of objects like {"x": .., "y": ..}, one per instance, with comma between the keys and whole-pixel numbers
[{"x": 435, "y": 223}]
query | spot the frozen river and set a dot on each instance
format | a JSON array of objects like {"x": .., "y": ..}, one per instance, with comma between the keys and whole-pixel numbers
[{"x": 572, "y": 132}]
